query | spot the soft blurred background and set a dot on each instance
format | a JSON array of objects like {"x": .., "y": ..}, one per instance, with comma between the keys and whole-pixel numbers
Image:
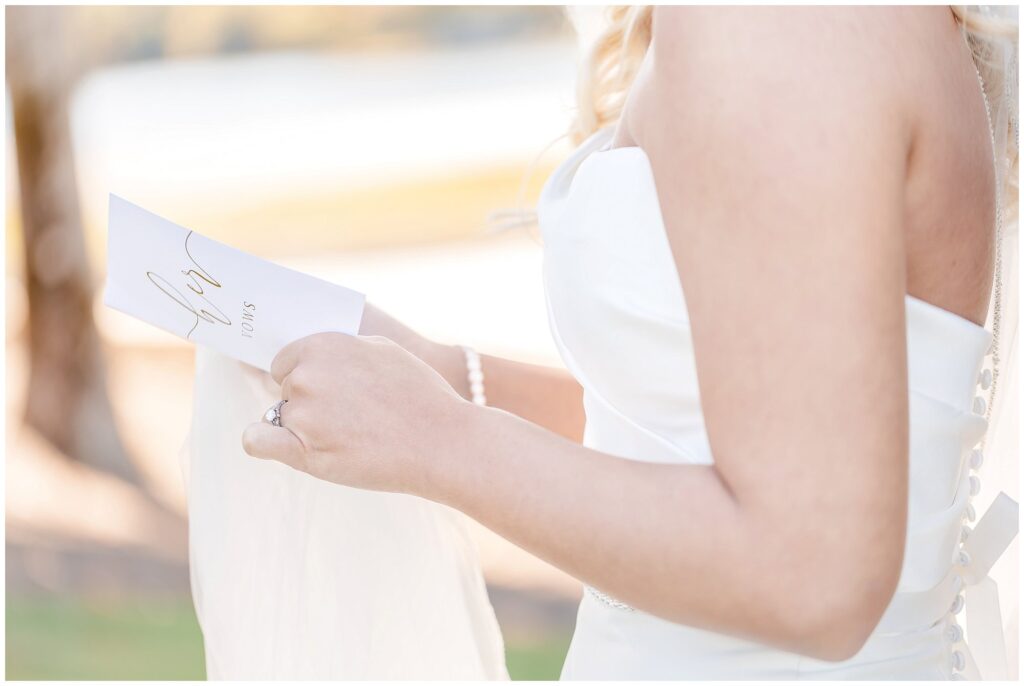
[{"x": 368, "y": 145}]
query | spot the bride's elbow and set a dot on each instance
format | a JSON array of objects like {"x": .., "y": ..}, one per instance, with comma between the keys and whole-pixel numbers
[
  {"x": 832, "y": 618},
  {"x": 836, "y": 638},
  {"x": 838, "y": 630}
]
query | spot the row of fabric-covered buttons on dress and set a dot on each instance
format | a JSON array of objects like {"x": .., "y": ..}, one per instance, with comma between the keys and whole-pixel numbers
[{"x": 954, "y": 633}]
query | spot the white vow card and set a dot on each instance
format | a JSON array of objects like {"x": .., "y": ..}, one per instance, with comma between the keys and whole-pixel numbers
[{"x": 212, "y": 294}]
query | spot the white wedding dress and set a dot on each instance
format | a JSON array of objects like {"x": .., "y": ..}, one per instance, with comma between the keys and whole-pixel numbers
[
  {"x": 295, "y": 578},
  {"x": 619, "y": 318}
]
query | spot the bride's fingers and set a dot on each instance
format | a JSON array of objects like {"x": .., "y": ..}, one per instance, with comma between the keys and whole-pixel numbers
[
  {"x": 287, "y": 358},
  {"x": 270, "y": 442}
]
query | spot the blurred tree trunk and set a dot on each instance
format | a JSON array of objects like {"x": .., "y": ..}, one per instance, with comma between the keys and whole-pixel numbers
[{"x": 67, "y": 398}]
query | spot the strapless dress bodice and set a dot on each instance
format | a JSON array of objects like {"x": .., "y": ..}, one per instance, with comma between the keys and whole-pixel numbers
[{"x": 618, "y": 315}]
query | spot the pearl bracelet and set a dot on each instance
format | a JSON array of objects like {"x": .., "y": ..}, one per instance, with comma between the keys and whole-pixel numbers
[{"x": 475, "y": 374}]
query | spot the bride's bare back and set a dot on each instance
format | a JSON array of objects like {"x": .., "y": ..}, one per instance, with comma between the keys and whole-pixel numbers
[{"x": 950, "y": 208}]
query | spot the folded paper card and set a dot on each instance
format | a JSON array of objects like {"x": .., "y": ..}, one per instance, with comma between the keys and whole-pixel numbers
[{"x": 214, "y": 295}]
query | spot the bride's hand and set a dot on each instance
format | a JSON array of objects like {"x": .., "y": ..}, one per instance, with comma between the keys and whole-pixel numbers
[
  {"x": 446, "y": 360},
  {"x": 377, "y": 322},
  {"x": 362, "y": 411}
]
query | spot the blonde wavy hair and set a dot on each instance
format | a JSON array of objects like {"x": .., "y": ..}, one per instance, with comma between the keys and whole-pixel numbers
[{"x": 612, "y": 62}]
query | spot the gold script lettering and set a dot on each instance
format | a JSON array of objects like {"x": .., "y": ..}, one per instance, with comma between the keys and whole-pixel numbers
[{"x": 194, "y": 276}]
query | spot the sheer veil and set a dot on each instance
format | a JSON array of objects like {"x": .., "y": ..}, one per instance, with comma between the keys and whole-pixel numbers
[
  {"x": 998, "y": 61},
  {"x": 296, "y": 578}
]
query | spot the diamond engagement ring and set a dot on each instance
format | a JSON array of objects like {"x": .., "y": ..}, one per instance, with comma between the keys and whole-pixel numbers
[{"x": 273, "y": 415}]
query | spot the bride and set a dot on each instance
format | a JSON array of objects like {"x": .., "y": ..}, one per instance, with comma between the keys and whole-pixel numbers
[{"x": 768, "y": 268}]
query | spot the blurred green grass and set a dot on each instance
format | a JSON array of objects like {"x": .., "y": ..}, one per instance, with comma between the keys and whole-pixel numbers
[
  {"x": 76, "y": 638},
  {"x": 158, "y": 638},
  {"x": 537, "y": 658}
]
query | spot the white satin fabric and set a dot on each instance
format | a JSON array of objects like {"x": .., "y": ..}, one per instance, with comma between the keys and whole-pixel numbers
[
  {"x": 297, "y": 578},
  {"x": 619, "y": 318}
]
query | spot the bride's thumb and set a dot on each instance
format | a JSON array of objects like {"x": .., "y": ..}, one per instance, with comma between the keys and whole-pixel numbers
[{"x": 269, "y": 442}]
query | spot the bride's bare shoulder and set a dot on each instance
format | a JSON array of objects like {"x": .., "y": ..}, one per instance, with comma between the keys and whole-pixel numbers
[
  {"x": 859, "y": 34},
  {"x": 828, "y": 58}
]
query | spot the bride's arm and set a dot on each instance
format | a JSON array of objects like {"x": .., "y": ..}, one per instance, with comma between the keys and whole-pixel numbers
[
  {"x": 779, "y": 150},
  {"x": 779, "y": 147},
  {"x": 543, "y": 395}
]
